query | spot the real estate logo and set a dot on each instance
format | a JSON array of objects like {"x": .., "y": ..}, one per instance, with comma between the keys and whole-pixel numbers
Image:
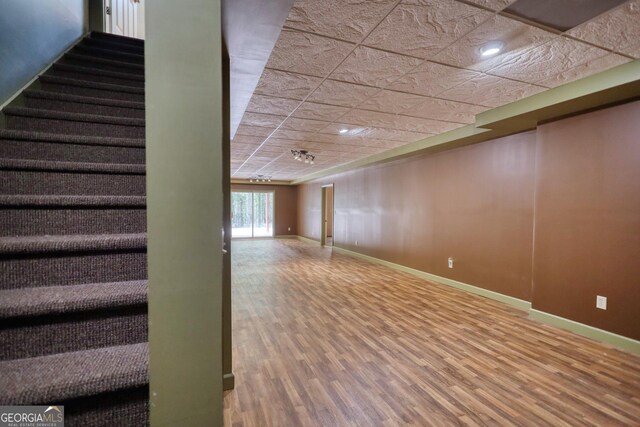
[{"x": 32, "y": 416}]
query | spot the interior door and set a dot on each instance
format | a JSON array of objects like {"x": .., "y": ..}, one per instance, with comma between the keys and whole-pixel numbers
[{"x": 122, "y": 17}]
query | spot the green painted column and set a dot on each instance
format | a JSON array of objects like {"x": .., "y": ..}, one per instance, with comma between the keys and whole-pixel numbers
[
  {"x": 227, "y": 367},
  {"x": 184, "y": 137}
]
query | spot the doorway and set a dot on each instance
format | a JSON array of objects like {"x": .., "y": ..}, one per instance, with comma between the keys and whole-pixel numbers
[
  {"x": 252, "y": 214},
  {"x": 327, "y": 215},
  {"x": 125, "y": 18}
]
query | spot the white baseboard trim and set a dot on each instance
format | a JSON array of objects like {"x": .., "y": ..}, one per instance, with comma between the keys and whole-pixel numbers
[
  {"x": 586, "y": 330},
  {"x": 596, "y": 334}
]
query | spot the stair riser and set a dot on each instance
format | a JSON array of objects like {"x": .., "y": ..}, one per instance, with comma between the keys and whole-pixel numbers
[
  {"x": 96, "y": 93},
  {"x": 72, "y": 269},
  {"x": 116, "y": 39},
  {"x": 44, "y": 335},
  {"x": 100, "y": 66},
  {"x": 66, "y": 183},
  {"x": 128, "y": 407},
  {"x": 73, "y": 128},
  {"x": 71, "y": 152},
  {"x": 77, "y": 107},
  {"x": 52, "y": 221},
  {"x": 106, "y": 44},
  {"x": 105, "y": 54},
  {"x": 96, "y": 78}
]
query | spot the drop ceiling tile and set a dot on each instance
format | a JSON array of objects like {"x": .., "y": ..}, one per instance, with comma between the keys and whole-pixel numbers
[
  {"x": 431, "y": 79},
  {"x": 295, "y": 135},
  {"x": 493, "y": 4},
  {"x": 547, "y": 60},
  {"x": 391, "y": 121},
  {"x": 424, "y": 28},
  {"x": 490, "y": 91},
  {"x": 271, "y": 105},
  {"x": 246, "y": 139},
  {"x": 367, "y": 132},
  {"x": 286, "y": 85},
  {"x": 617, "y": 29},
  {"x": 346, "y": 20},
  {"x": 516, "y": 36},
  {"x": 441, "y": 109},
  {"x": 388, "y": 101},
  {"x": 311, "y": 110},
  {"x": 304, "y": 125},
  {"x": 340, "y": 93},
  {"x": 586, "y": 69},
  {"x": 307, "y": 53},
  {"x": 258, "y": 119},
  {"x": 254, "y": 130},
  {"x": 282, "y": 143},
  {"x": 373, "y": 67}
]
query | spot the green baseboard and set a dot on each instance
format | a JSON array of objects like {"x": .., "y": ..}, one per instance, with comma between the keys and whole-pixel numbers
[
  {"x": 586, "y": 330},
  {"x": 228, "y": 381},
  {"x": 518, "y": 303},
  {"x": 308, "y": 240},
  {"x": 596, "y": 334}
]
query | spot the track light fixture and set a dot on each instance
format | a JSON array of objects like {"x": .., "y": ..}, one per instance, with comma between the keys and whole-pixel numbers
[
  {"x": 303, "y": 155},
  {"x": 260, "y": 178}
]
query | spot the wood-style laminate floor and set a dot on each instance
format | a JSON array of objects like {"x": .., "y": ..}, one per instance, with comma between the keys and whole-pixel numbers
[{"x": 324, "y": 339}]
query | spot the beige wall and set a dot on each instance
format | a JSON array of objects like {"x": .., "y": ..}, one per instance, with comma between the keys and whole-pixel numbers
[
  {"x": 286, "y": 205},
  {"x": 476, "y": 204}
]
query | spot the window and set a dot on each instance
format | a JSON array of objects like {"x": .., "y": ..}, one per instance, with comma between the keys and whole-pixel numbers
[{"x": 252, "y": 214}]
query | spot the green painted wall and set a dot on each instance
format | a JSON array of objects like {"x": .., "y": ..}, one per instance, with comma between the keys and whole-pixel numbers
[{"x": 183, "y": 61}]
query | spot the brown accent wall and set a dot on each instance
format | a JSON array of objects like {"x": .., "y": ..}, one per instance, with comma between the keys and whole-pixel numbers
[
  {"x": 587, "y": 233},
  {"x": 286, "y": 207},
  {"x": 476, "y": 204}
]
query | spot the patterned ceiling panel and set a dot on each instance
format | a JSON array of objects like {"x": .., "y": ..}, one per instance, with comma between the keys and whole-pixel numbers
[{"x": 348, "y": 79}]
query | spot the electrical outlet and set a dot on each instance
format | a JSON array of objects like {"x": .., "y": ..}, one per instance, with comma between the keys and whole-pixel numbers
[
  {"x": 356, "y": 243},
  {"x": 601, "y": 302},
  {"x": 450, "y": 262},
  {"x": 289, "y": 228}
]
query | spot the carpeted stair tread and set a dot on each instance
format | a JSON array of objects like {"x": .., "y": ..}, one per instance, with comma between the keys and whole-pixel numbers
[
  {"x": 116, "y": 37},
  {"x": 113, "y": 44},
  {"x": 58, "y": 96},
  {"x": 84, "y": 59},
  {"x": 97, "y": 72},
  {"x": 75, "y": 117},
  {"x": 57, "y": 377},
  {"x": 15, "y": 201},
  {"x": 77, "y": 167},
  {"x": 15, "y": 134},
  {"x": 24, "y": 245},
  {"x": 91, "y": 85},
  {"x": 98, "y": 51},
  {"x": 41, "y": 301}
]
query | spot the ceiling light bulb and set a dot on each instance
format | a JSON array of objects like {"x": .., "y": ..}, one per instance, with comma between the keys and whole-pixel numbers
[
  {"x": 306, "y": 160},
  {"x": 344, "y": 130},
  {"x": 491, "y": 48},
  {"x": 311, "y": 161},
  {"x": 250, "y": 180}
]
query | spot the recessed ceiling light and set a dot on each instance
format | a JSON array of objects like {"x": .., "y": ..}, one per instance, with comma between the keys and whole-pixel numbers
[
  {"x": 344, "y": 130},
  {"x": 491, "y": 48}
]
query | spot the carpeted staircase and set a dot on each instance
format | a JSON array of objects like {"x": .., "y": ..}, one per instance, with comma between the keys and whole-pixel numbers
[{"x": 73, "y": 268}]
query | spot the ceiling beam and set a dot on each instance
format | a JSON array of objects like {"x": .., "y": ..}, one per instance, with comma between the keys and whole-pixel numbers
[{"x": 250, "y": 29}]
